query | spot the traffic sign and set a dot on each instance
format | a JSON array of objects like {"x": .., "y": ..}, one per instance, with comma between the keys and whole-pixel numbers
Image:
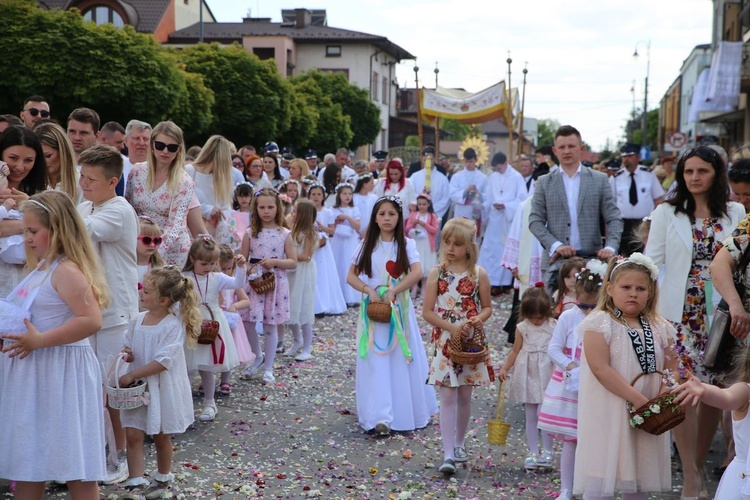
[
  {"x": 645, "y": 152},
  {"x": 677, "y": 139}
]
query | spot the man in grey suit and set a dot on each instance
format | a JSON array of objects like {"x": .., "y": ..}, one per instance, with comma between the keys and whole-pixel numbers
[{"x": 568, "y": 207}]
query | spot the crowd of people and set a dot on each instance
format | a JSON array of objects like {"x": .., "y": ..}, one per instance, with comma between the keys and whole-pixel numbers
[{"x": 119, "y": 246}]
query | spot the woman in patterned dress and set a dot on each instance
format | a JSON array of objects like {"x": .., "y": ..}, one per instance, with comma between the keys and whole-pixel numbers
[
  {"x": 161, "y": 189},
  {"x": 689, "y": 229}
]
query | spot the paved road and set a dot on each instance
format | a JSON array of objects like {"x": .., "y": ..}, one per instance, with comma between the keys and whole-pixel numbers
[{"x": 299, "y": 439}]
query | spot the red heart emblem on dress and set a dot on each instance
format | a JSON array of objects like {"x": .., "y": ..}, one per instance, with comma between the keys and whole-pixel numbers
[{"x": 393, "y": 269}]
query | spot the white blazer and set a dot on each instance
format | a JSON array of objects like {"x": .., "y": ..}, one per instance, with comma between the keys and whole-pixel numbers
[{"x": 670, "y": 246}]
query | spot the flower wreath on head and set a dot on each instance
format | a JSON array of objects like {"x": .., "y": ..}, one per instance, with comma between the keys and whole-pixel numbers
[
  {"x": 316, "y": 185},
  {"x": 341, "y": 186},
  {"x": 393, "y": 199},
  {"x": 309, "y": 182},
  {"x": 289, "y": 181},
  {"x": 267, "y": 192},
  {"x": 365, "y": 176},
  {"x": 640, "y": 260},
  {"x": 243, "y": 183},
  {"x": 595, "y": 267}
]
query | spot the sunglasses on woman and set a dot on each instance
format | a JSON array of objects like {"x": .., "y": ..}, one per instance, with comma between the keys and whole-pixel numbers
[
  {"x": 586, "y": 307},
  {"x": 172, "y": 148},
  {"x": 147, "y": 240}
]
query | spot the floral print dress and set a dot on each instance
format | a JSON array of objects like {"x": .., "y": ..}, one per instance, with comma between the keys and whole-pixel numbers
[
  {"x": 168, "y": 209},
  {"x": 457, "y": 301},
  {"x": 692, "y": 333}
]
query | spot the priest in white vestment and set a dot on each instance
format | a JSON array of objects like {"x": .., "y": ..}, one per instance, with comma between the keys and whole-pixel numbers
[
  {"x": 466, "y": 188},
  {"x": 505, "y": 191}
]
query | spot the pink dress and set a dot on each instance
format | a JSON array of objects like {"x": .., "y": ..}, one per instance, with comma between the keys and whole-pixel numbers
[
  {"x": 169, "y": 211},
  {"x": 238, "y": 224},
  {"x": 244, "y": 352},
  {"x": 270, "y": 308}
]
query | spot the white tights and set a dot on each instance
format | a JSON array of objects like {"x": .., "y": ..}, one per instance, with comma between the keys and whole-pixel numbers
[
  {"x": 208, "y": 381},
  {"x": 304, "y": 338},
  {"x": 567, "y": 465},
  {"x": 455, "y": 410},
  {"x": 532, "y": 432},
  {"x": 271, "y": 338},
  {"x": 253, "y": 338}
]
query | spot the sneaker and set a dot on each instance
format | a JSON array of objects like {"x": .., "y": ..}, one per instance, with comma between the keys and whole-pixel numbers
[
  {"x": 136, "y": 483},
  {"x": 545, "y": 460},
  {"x": 116, "y": 473},
  {"x": 459, "y": 454},
  {"x": 565, "y": 495},
  {"x": 448, "y": 466},
  {"x": 156, "y": 490},
  {"x": 280, "y": 346},
  {"x": 531, "y": 462},
  {"x": 208, "y": 413},
  {"x": 382, "y": 429},
  {"x": 254, "y": 368},
  {"x": 303, "y": 356},
  {"x": 268, "y": 378}
]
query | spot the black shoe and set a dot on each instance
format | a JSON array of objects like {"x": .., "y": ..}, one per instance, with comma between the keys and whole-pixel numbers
[{"x": 448, "y": 466}]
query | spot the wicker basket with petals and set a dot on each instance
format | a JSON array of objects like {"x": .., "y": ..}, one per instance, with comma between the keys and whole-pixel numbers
[
  {"x": 659, "y": 414},
  {"x": 465, "y": 351},
  {"x": 265, "y": 283}
]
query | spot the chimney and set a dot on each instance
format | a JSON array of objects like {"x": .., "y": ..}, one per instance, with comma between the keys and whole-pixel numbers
[{"x": 302, "y": 18}]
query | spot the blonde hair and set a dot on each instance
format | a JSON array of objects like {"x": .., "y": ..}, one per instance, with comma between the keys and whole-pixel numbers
[
  {"x": 170, "y": 283},
  {"x": 255, "y": 223},
  {"x": 303, "y": 228},
  {"x": 226, "y": 254},
  {"x": 217, "y": 154},
  {"x": 605, "y": 299},
  {"x": 53, "y": 136},
  {"x": 68, "y": 238},
  {"x": 170, "y": 129},
  {"x": 203, "y": 248},
  {"x": 302, "y": 166},
  {"x": 147, "y": 227},
  {"x": 463, "y": 231}
]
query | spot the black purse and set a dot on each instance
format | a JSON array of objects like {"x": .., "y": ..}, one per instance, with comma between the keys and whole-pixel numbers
[{"x": 719, "y": 351}]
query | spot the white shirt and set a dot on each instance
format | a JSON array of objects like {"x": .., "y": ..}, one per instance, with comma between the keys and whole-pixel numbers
[
  {"x": 647, "y": 186},
  {"x": 572, "y": 189},
  {"x": 113, "y": 227},
  {"x": 459, "y": 182},
  {"x": 439, "y": 189}
]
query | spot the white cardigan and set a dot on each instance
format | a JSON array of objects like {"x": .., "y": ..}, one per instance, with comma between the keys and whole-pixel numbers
[{"x": 670, "y": 246}]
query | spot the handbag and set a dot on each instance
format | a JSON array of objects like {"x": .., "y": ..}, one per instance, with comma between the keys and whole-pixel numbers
[{"x": 720, "y": 346}]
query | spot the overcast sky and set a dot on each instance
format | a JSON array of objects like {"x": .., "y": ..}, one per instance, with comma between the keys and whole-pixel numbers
[{"x": 579, "y": 52}]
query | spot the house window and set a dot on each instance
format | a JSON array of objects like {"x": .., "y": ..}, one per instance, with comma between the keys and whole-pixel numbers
[
  {"x": 101, "y": 14},
  {"x": 385, "y": 90},
  {"x": 333, "y": 50},
  {"x": 374, "y": 86},
  {"x": 264, "y": 53}
]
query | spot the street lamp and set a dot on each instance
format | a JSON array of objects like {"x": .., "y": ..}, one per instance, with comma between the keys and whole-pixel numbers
[{"x": 644, "y": 119}]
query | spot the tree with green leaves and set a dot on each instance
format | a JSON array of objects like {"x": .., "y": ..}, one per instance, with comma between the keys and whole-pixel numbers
[
  {"x": 71, "y": 62},
  {"x": 355, "y": 103},
  {"x": 546, "y": 132},
  {"x": 252, "y": 103},
  {"x": 333, "y": 127}
]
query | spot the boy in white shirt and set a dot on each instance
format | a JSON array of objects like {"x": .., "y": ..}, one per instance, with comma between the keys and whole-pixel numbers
[{"x": 113, "y": 226}]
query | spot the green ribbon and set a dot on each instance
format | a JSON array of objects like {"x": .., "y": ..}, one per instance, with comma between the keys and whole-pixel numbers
[{"x": 398, "y": 325}]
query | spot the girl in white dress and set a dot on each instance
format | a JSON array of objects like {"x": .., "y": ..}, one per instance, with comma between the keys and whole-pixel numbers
[
  {"x": 51, "y": 398},
  {"x": 302, "y": 281},
  {"x": 329, "y": 299},
  {"x": 364, "y": 199},
  {"x": 391, "y": 393},
  {"x": 345, "y": 237},
  {"x": 154, "y": 348},
  {"x": 735, "y": 483},
  {"x": 422, "y": 226},
  {"x": 532, "y": 370},
  {"x": 147, "y": 248},
  {"x": 202, "y": 261}
]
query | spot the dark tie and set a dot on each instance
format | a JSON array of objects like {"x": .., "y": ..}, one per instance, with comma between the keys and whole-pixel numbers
[
  {"x": 633, "y": 190},
  {"x": 528, "y": 183}
]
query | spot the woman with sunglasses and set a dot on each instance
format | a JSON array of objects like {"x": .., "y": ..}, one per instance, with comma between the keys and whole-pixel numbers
[
  {"x": 21, "y": 151},
  {"x": 162, "y": 190},
  {"x": 214, "y": 184},
  {"x": 62, "y": 174},
  {"x": 689, "y": 228}
]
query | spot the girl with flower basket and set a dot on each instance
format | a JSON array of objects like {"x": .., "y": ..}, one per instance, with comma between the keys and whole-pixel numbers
[
  {"x": 628, "y": 352},
  {"x": 457, "y": 292}
]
